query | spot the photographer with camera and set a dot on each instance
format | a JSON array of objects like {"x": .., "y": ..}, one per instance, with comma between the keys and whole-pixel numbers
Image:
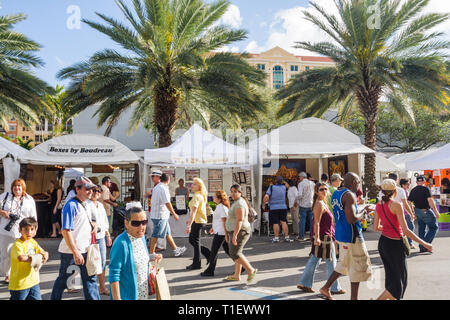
[{"x": 14, "y": 207}]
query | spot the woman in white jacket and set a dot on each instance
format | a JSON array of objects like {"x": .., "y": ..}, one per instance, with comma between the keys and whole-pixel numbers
[{"x": 15, "y": 205}]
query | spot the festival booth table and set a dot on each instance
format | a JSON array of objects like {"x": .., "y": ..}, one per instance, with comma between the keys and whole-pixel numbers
[
  {"x": 310, "y": 145},
  {"x": 199, "y": 153},
  {"x": 436, "y": 166},
  {"x": 9, "y": 164},
  {"x": 48, "y": 161}
]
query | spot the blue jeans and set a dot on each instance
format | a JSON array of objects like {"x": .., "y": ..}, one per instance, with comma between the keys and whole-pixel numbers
[
  {"x": 307, "y": 278},
  {"x": 102, "y": 245},
  {"x": 90, "y": 288},
  {"x": 426, "y": 219},
  {"x": 304, "y": 214},
  {"x": 410, "y": 225},
  {"x": 33, "y": 293}
]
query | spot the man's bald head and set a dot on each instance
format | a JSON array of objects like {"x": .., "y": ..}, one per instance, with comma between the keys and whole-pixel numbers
[{"x": 352, "y": 181}]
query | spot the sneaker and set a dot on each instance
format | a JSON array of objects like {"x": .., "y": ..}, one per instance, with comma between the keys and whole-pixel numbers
[
  {"x": 179, "y": 251},
  {"x": 288, "y": 240},
  {"x": 275, "y": 240}
]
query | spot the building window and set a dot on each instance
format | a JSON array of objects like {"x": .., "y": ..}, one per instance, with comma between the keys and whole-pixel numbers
[
  {"x": 12, "y": 127},
  {"x": 278, "y": 77},
  {"x": 306, "y": 68},
  {"x": 68, "y": 125},
  {"x": 261, "y": 66},
  {"x": 294, "y": 68},
  {"x": 38, "y": 138},
  {"x": 11, "y": 136},
  {"x": 49, "y": 126}
]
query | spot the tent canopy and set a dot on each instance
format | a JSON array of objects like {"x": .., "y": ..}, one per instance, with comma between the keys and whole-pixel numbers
[
  {"x": 8, "y": 147},
  {"x": 401, "y": 159},
  {"x": 385, "y": 165},
  {"x": 198, "y": 148},
  {"x": 439, "y": 159},
  {"x": 80, "y": 150},
  {"x": 312, "y": 138}
]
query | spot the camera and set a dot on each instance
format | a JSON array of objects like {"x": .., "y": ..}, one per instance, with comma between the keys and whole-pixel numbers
[{"x": 12, "y": 222}]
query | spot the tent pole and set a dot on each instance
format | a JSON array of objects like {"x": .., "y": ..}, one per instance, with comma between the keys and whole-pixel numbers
[{"x": 320, "y": 167}]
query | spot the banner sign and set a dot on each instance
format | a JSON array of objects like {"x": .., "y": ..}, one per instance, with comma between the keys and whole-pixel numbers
[{"x": 93, "y": 151}]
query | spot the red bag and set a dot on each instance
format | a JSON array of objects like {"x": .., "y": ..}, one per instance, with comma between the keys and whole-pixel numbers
[{"x": 152, "y": 280}]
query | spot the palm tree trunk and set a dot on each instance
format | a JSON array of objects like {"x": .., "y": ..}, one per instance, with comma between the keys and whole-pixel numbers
[
  {"x": 166, "y": 114},
  {"x": 368, "y": 97}
]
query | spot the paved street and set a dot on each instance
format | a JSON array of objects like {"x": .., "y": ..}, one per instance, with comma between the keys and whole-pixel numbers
[{"x": 280, "y": 267}]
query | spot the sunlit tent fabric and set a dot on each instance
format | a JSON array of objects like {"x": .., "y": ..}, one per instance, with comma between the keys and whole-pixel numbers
[
  {"x": 198, "y": 148},
  {"x": 401, "y": 158},
  {"x": 439, "y": 159},
  {"x": 311, "y": 138},
  {"x": 80, "y": 150},
  {"x": 9, "y": 154}
]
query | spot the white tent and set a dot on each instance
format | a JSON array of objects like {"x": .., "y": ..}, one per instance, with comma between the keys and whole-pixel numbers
[
  {"x": 198, "y": 148},
  {"x": 401, "y": 159},
  {"x": 383, "y": 167},
  {"x": 439, "y": 159},
  {"x": 9, "y": 154},
  {"x": 80, "y": 150},
  {"x": 311, "y": 138}
]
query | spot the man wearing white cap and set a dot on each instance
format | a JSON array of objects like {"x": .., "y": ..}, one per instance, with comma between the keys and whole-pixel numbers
[
  {"x": 156, "y": 179},
  {"x": 77, "y": 228}
]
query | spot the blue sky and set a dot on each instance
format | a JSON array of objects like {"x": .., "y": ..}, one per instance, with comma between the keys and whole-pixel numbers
[{"x": 268, "y": 23}]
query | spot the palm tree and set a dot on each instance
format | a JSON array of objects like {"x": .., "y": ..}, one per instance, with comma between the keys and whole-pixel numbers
[
  {"x": 166, "y": 67},
  {"x": 20, "y": 90},
  {"x": 57, "y": 112},
  {"x": 399, "y": 61},
  {"x": 26, "y": 144}
]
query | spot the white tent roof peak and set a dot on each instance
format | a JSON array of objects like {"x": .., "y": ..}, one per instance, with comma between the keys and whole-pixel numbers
[
  {"x": 80, "y": 150},
  {"x": 312, "y": 137},
  {"x": 198, "y": 147},
  {"x": 10, "y": 147}
]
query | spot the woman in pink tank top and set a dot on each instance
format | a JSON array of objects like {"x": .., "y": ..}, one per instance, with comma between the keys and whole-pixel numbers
[{"x": 390, "y": 220}]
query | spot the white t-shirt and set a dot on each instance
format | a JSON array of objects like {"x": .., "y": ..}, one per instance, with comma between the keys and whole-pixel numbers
[
  {"x": 217, "y": 224},
  {"x": 26, "y": 207},
  {"x": 292, "y": 195},
  {"x": 100, "y": 217},
  {"x": 305, "y": 193},
  {"x": 160, "y": 196},
  {"x": 75, "y": 217},
  {"x": 106, "y": 195},
  {"x": 70, "y": 195}
]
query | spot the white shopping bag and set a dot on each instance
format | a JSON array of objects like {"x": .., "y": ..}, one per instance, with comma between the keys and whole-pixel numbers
[{"x": 94, "y": 260}]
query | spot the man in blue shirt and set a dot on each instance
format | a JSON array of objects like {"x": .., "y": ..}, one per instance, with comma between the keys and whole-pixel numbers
[
  {"x": 354, "y": 258},
  {"x": 276, "y": 197}
]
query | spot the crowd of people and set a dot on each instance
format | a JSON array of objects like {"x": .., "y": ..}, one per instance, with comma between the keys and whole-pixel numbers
[{"x": 327, "y": 210}]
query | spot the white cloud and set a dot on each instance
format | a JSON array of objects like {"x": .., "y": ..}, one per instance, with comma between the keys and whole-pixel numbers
[
  {"x": 290, "y": 26},
  {"x": 232, "y": 17},
  {"x": 227, "y": 49}
]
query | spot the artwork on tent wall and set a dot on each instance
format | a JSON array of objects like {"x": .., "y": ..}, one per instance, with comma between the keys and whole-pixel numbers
[
  {"x": 2, "y": 179},
  {"x": 191, "y": 174},
  {"x": 338, "y": 165},
  {"x": 235, "y": 178},
  {"x": 242, "y": 179},
  {"x": 170, "y": 173},
  {"x": 249, "y": 193},
  {"x": 215, "y": 180}
]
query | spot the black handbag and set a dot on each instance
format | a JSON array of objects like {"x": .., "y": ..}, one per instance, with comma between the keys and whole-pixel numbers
[{"x": 406, "y": 246}]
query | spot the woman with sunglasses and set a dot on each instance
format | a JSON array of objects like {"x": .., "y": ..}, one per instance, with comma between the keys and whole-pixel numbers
[
  {"x": 103, "y": 237},
  {"x": 129, "y": 259},
  {"x": 322, "y": 239}
]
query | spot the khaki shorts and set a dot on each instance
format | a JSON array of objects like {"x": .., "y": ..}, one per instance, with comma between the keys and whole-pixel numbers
[{"x": 354, "y": 261}]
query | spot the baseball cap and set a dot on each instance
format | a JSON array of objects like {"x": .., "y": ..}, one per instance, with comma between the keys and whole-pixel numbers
[
  {"x": 84, "y": 182},
  {"x": 335, "y": 177},
  {"x": 302, "y": 174},
  {"x": 388, "y": 185},
  {"x": 156, "y": 173},
  {"x": 420, "y": 179}
]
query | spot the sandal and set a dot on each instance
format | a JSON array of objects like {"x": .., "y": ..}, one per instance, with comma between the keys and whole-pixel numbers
[
  {"x": 252, "y": 275},
  {"x": 73, "y": 290},
  {"x": 305, "y": 289},
  {"x": 342, "y": 291},
  {"x": 231, "y": 278}
]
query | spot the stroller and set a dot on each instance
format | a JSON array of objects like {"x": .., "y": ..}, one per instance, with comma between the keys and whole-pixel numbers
[{"x": 118, "y": 225}]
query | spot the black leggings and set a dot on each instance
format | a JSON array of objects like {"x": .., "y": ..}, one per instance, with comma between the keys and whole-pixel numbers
[
  {"x": 211, "y": 255},
  {"x": 194, "y": 240},
  {"x": 394, "y": 261}
]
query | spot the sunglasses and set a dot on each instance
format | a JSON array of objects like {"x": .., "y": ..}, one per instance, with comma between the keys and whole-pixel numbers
[
  {"x": 323, "y": 189},
  {"x": 136, "y": 223}
]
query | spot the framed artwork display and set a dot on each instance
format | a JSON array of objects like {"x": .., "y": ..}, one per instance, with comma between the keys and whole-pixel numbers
[{"x": 242, "y": 179}]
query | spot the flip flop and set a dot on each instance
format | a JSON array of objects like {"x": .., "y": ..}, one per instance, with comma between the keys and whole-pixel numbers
[
  {"x": 252, "y": 275},
  {"x": 342, "y": 291},
  {"x": 231, "y": 278},
  {"x": 73, "y": 290}
]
